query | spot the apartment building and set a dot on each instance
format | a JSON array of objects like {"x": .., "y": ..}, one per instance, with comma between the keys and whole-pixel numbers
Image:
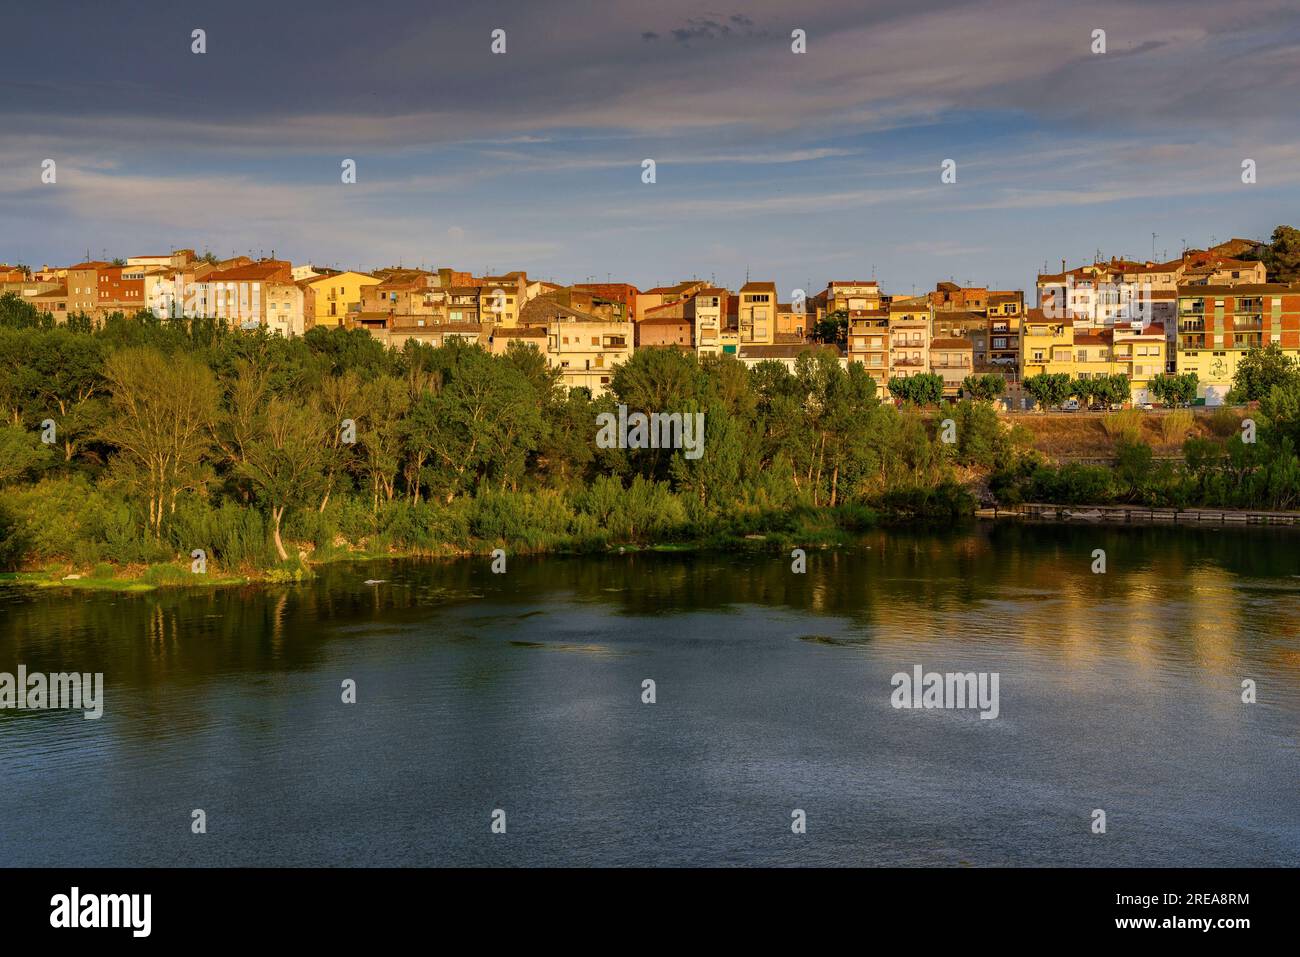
[
  {"x": 853, "y": 296},
  {"x": 120, "y": 289},
  {"x": 248, "y": 296},
  {"x": 586, "y": 353},
  {"x": 951, "y": 358},
  {"x": 1046, "y": 344},
  {"x": 757, "y": 316},
  {"x": 909, "y": 337},
  {"x": 1217, "y": 325},
  {"x": 707, "y": 310},
  {"x": 868, "y": 342},
  {"x": 502, "y": 298},
  {"x": 83, "y": 287}
]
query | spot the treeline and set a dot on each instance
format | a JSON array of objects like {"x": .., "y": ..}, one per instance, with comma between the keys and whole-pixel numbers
[{"x": 144, "y": 439}]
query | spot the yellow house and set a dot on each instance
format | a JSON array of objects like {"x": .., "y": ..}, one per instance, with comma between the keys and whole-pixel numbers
[
  {"x": 337, "y": 294},
  {"x": 1046, "y": 345}
]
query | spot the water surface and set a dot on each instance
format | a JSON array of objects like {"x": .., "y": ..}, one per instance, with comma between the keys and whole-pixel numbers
[{"x": 523, "y": 692}]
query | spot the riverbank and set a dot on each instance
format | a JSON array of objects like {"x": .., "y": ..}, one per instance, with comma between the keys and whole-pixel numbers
[{"x": 179, "y": 575}]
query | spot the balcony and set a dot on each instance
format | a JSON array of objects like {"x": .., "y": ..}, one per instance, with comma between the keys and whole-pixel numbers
[
  {"x": 1191, "y": 342},
  {"x": 908, "y": 362},
  {"x": 1192, "y": 325}
]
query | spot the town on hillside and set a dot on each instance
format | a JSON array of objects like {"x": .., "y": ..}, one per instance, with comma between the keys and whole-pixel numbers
[{"x": 1136, "y": 323}]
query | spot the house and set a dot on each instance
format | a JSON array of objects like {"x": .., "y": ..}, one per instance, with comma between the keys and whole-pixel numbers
[
  {"x": 757, "y": 317},
  {"x": 586, "y": 353},
  {"x": 662, "y": 295},
  {"x": 336, "y": 294},
  {"x": 666, "y": 330}
]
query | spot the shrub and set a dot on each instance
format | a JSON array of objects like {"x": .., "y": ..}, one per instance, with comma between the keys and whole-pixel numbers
[
  {"x": 1124, "y": 426},
  {"x": 1175, "y": 425}
]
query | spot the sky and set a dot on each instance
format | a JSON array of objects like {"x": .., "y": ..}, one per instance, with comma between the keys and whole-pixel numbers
[{"x": 798, "y": 168}]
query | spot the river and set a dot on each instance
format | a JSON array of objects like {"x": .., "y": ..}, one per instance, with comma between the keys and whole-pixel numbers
[{"x": 523, "y": 692}]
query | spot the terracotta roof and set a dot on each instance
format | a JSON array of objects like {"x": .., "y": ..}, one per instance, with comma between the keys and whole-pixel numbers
[
  {"x": 950, "y": 343},
  {"x": 265, "y": 273},
  {"x": 758, "y": 287}
]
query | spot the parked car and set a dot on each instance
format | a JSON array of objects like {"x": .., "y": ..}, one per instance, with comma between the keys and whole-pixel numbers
[
  {"x": 1070, "y": 405},
  {"x": 1116, "y": 406},
  {"x": 1146, "y": 407},
  {"x": 1097, "y": 407}
]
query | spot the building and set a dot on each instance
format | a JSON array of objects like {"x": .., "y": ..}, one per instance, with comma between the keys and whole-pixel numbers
[
  {"x": 853, "y": 296},
  {"x": 951, "y": 358},
  {"x": 617, "y": 294},
  {"x": 502, "y": 298},
  {"x": 676, "y": 331},
  {"x": 707, "y": 310},
  {"x": 336, "y": 294},
  {"x": 909, "y": 337},
  {"x": 868, "y": 341},
  {"x": 1217, "y": 325},
  {"x": 586, "y": 353},
  {"x": 757, "y": 316},
  {"x": 662, "y": 295},
  {"x": 120, "y": 289},
  {"x": 83, "y": 287},
  {"x": 248, "y": 296},
  {"x": 1046, "y": 344},
  {"x": 502, "y": 337}
]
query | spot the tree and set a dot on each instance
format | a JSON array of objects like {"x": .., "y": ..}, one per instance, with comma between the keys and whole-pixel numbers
[
  {"x": 1282, "y": 255},
  {"x": 925, "y": 388},
  {"x": 285, "y": 457},
  {"x": 21, "y": 453},
  {"x": 1259, "y": 370},
  {"x": 1174, "y": 390},
  {"x": 834, "y": 328},
  {"x": 159, "y": 417},
  {"x": 1049, "y": 389},
  {"x": 986, "y": 387}
]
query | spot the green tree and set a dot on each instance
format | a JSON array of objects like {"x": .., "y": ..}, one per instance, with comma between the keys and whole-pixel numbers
[
  {"x": 925, "y": 388},
  {"x": 1259, "y": 370},
  {"x": 985, "y": 387},
  {"x": 1174, "y": 390},
  {"x": 1282, "y": 255},
  {"x": 1049, "y": 389},
  {"x": 159, "y": 416},
  {"x": 285, "y": 457}
]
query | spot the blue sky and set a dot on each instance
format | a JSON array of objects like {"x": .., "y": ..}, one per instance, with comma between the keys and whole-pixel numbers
[{"x": 798, "y": 168}]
